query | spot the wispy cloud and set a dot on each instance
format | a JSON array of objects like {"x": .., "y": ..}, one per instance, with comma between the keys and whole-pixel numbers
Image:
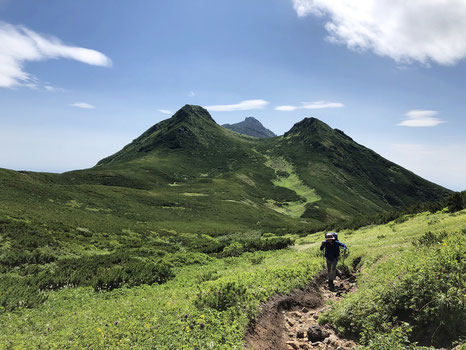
[
  {"x": 406, "y": 31},
  {"x": 242, "y": 106},
  {"x": 83, "y": 105},
  {"x": 51, "y": 88},
  {"x": 19, "y": 45},
  {"x": 421, "y": 118},
  {"x": 310, "y": 105},
  {"x": 191, "y": 93},
  {"x": 165, "y": 111}
]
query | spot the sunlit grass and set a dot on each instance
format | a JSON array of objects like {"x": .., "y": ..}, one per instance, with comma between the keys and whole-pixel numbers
[{"x": 154, "y": 316}]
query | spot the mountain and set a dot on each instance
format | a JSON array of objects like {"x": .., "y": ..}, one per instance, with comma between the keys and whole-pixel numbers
[
  {"x": 252, "y": 127},
  {"x": 189, "y": 174},
  {"x": 168, "y": 218}
]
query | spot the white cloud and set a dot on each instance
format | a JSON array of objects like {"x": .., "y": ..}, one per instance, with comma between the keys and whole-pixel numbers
[
  {"x": 286, "y": 108},
  {"x": 83, "y": 105},
  {"x": 50, "y": 88},
  {"x": 191, "y": 94},
  {"x": 242, "y": 106},
  {"x": 165, "y": 111},
  {"x": 19, "y": 45},
  {"x": 421, "y": 118},
  {"x": 406, "y": 31},
  {"x": 310, "y": 105}
]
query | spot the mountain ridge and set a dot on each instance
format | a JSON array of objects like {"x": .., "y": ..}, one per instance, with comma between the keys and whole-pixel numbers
[
  {"x": 311, "y": 158},
  {"x": 187, "y": 173}
]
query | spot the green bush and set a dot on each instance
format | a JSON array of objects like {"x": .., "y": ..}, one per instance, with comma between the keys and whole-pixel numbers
[
  {"x": 103, "y": 272},
  {"x": 223, "y": 296},
  {"x": 456, "y": 202},
  {"x": 234, "y": 249},
  {"x": 268, "y": 243},
  {"x": 16, "y": 292},
  {"x": 396, "y": 339},
  {"x": 423, "y": 287}
]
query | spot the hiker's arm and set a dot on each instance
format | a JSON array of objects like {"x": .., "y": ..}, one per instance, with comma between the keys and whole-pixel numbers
[
  {"x": 322, "y": 245},
  {"x": 344, "y": 246}
]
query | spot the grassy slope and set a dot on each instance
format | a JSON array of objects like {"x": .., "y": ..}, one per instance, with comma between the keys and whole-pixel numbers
[
  {"x": 169, "y": 316},
  {"x": 315, "y": 174},
  {"x": 343, "y": 171}
]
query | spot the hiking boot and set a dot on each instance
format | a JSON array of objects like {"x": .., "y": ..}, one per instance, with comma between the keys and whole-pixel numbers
[{"x": 331, "y": 286}]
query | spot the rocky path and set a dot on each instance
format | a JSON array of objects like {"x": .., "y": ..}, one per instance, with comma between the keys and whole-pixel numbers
[{"x": 289, "y": 322}]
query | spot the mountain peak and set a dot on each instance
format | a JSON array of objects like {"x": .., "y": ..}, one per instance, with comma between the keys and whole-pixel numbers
[
  {"x": 252, "y": 120},
  {"x": 311, "y": 124},
  {"x": 192, "y": 113},
  {"x": 252, "y": 127},
  {"x": 190, "y": 127}
]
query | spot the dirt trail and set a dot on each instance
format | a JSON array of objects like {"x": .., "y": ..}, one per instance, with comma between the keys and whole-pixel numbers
[{"x": 289, "y": 322}]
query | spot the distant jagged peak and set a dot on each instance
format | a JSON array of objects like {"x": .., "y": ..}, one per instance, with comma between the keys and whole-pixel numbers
[
  {"x": 252, "y": 127},
  {"x": 252, "y": 120}
]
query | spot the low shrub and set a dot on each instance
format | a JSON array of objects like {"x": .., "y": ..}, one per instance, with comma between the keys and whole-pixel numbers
[
  {"x": 423, "y": 287},
  {"x": 396, "y": 339},
  {"x": 103, "y": 272},
  {"x": 15, "y": 291},
  {"x": 234, "y": 249},
  {"x": 268, "y": 243},
  {"x": 224, "y": 296}
]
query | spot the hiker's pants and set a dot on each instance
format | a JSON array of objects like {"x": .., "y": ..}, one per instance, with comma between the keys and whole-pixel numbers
[{"x": 332, "y": 269}]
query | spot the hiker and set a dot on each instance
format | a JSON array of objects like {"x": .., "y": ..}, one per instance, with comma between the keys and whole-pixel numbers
[{"x": 332, "y": 252}]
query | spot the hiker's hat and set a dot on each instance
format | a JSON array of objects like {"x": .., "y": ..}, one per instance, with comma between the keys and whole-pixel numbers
[{"x": 329, "y": 236}]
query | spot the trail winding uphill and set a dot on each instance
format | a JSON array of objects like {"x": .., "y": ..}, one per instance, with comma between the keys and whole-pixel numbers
[{"x": 289, "y": 322}]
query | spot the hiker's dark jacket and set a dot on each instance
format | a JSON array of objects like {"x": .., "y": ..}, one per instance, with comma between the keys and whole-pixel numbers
[{"x": 332, "y": 250}]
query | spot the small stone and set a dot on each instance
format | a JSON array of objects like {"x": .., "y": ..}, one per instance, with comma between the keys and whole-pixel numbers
[
  {"x": 291, "y": 323},
  {"x": 304, "y": 346},
  {"x": 316, "y": 333},
  {"x": 305, "y": 310},
  {"x": 292, "y": 345},
  {"x": 300, "y": 334}
]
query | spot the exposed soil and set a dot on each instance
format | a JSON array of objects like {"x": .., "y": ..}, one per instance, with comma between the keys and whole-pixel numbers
[{"x": 289, "y": 322}]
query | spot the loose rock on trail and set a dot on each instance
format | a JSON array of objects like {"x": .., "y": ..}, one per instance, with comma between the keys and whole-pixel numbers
[{"x": 289, "y": 322}]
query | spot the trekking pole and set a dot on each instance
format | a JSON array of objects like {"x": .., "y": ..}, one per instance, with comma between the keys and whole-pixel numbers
[{"x": 345, "y": 254}]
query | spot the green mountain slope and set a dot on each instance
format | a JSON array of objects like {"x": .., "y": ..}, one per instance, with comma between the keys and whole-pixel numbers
[
  {"x": 189, "y": 174},
  {"x": 343, "y": 171},
  {"x": 252, "y": 127},
  {"x": 186, "y": 193}
]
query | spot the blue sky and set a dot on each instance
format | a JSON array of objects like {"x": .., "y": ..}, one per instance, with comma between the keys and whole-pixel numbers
[{"x": 80, "y": 79}]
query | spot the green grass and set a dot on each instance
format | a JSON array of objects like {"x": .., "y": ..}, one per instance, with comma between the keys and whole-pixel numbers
[
  {"x": 169, "y": 316},
  {"x": 287, "y": 178},
  {"x": 182, "y": 202}
]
